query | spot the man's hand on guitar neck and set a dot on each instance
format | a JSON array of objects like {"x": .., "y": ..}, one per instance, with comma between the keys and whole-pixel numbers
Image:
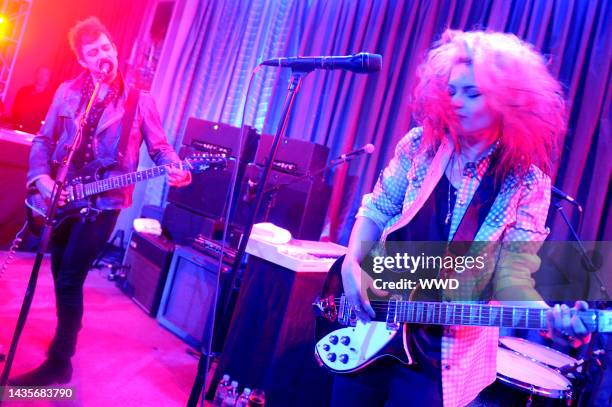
[{"x": 45, "y": 185}]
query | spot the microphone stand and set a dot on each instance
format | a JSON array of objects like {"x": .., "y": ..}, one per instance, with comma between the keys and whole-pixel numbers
[
  {"x": 587, "y": 262},
  {"x": 204, "y": 362},
  {"x": 273, "y": 190},
  {"x": 60, "y": 180},
  {"x": 591, "y": 268}
]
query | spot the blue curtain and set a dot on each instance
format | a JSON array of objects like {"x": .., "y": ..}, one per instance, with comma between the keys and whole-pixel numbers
[{"x": 344, "y": 110}]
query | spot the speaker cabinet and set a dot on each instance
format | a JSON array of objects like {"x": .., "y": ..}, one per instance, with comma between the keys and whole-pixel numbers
[
  {"x": 208, "y": 191},
  {"x": 146, "y": 260},
  {"x": 214, "y": 137},
  {"x": 182, "y": 225},
  {"x": 298, "y": 205},
  {"x": 293, "y": 156},
  {"x": 187, "y": 302}
]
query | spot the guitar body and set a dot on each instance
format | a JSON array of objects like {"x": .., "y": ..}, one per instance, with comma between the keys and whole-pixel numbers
[
  {"x": 345, "y": 344},
  {"x": 77, "y": 204},
  {"x": 348, "y": 348}
]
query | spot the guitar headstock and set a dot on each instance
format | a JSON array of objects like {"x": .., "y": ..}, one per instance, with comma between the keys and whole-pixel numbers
[{"x": 203, "y": 161}]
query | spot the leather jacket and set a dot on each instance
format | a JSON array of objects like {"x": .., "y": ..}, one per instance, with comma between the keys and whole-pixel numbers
[{"x": 51, "y": 143}]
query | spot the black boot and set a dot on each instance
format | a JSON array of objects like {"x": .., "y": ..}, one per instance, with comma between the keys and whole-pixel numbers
[{"x": 52, "y": 371}]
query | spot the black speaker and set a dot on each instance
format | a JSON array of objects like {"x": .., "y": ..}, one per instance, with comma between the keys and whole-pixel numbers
[
  {"x": 182, "y": 225},
  {"x": 187, "y": 301},
  {"x": 298, "y": 205},
  {"x": 220, "y": 138},
  {"x": 146, "y": 260},
  {"x": 208, "y": 191},
  {"x": 292, "y": 156}
]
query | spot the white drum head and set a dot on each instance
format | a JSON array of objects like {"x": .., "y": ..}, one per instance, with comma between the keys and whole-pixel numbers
[
  {"x": 534, "y": 377},
  {"x": 541, "y": 353}
]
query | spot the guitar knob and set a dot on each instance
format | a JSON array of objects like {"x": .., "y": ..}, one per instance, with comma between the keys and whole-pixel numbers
[
  {"x": 343, "y": 358},
  {"x": 331, "y": 357},
  {"x": 333, "y": 339},
  {"x": 326, "y": 348},
  {"x": 345, "y": 340}
]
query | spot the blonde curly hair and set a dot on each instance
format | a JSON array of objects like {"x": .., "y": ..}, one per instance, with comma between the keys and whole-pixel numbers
[{"x": 514, "y": 78}]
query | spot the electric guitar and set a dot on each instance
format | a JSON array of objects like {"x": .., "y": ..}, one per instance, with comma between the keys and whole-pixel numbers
[
  {"x": 346, "y": 344},
  {"x": 82, "y": 186}
]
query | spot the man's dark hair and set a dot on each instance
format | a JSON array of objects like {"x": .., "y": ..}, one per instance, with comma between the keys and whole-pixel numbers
[{"x": 86, "y": 32}]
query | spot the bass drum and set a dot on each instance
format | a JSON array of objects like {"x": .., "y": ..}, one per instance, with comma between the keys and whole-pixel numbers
[{"x": 524, "y": 382}]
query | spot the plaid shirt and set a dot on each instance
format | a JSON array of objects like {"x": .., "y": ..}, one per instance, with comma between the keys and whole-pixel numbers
[{"x": 518, "y": 214}]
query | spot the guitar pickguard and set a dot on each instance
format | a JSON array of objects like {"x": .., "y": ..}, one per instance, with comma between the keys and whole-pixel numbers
[{"x": 352, "y": 348}]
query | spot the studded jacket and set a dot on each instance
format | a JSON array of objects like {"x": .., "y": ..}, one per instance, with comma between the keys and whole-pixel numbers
[{"x": 51, "y": 143}]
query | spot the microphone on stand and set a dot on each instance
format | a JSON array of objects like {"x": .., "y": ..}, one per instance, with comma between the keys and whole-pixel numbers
[
  {"x": 251, "y": 190},
  {"x": 562, "y": 195},
  {"x": 367, "y": 149},
  {"x": 573, "y": 367},
  {"x": 362, "y": 62}
]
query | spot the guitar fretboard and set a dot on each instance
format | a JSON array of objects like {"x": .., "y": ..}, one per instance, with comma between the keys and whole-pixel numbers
[
  {"x": 440, "y": 313},
  {"x": 124, "y": 180}
]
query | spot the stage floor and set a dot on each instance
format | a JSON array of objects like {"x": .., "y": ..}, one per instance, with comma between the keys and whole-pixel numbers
[{"x": 124, "y": 357}]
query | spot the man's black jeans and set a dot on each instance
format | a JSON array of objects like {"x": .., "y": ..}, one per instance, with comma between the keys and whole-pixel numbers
[{"x": 74, "y": 247}]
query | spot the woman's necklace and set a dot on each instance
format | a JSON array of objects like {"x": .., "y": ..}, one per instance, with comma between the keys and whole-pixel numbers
[{"x": 449, "y": 212}]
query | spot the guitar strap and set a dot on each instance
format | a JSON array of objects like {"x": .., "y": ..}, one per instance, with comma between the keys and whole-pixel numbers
[{"x": 128, "y": 118}]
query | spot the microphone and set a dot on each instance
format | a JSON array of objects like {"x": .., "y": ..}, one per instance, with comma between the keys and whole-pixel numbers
[
  {"x": 571, "y": 367},
  {"x": 105, "y": 66},
  {"x": 562, "y": 195},
  {"x": 367, "y": 149},
  {"x": 251, "y": 190},
  {"x": 359, "y": 63}
]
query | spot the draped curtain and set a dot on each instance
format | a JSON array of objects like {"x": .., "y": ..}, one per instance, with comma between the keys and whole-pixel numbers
[{"x": 226, "y": 39}]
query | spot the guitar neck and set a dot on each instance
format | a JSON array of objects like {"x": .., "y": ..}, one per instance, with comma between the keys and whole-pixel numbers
[
  {"x": 124, "y": 180},
  {"x": 441, "y": 313}
]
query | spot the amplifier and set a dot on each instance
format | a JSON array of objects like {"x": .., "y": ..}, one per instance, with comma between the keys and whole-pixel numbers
[
  {"x": 208, "y": 191},
  {"x": 213, "y": 248},
  {"x": 293, "y": 156},
  {"x": 220, "y": 138},
  {"x": 299, "y": 206},
  {"x": 146, "y": 260},
  {"x": 14, "y": 153},
  {"x": 187, "y": 302},
  {"x": 184, "y": 226}
]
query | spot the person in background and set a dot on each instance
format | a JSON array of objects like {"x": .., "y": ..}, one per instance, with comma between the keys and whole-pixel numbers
[{"x": 31, "y": 103}]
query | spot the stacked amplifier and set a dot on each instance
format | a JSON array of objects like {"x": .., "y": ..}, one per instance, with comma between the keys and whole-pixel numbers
[
  {"x": 293, "y": 200},
  {"x": 175, "y": 278},
  {"x": 198, "y": 208}
]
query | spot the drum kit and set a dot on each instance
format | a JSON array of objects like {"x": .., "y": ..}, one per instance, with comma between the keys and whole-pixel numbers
[{"x": 530, "y": 374}]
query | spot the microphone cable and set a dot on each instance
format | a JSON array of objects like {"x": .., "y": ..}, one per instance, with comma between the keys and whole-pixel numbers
[{"x": 11, "y": 254}]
